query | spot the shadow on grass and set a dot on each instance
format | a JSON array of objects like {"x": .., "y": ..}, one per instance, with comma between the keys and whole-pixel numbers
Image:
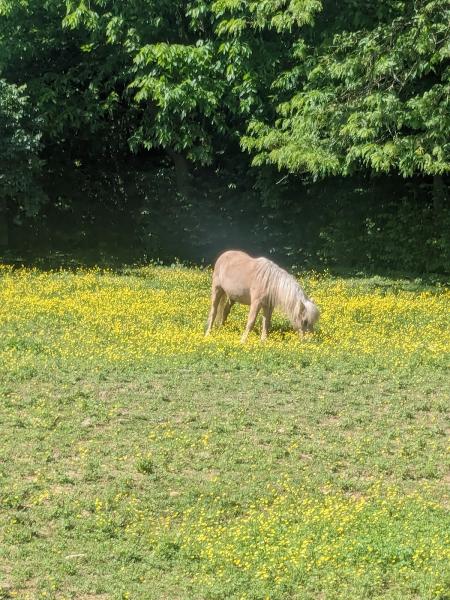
[{"x": 120, "y": 260}]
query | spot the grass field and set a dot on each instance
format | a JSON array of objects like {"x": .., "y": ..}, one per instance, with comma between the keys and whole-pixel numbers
[{"x": 142, "y": 460}]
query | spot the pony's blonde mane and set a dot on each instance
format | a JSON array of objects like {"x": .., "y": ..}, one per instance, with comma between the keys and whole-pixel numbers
[{"x": 284, "y": 292}]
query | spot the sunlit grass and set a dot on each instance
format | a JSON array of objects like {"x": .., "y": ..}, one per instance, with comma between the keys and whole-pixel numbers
[
  {"x": 143, "y": 460},
  {"x": 292, "y": 537},
  {"x": 160, "y": 312}
]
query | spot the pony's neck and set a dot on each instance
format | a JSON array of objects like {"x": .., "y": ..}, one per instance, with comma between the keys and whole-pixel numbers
[{"x": 288, "y": 294}]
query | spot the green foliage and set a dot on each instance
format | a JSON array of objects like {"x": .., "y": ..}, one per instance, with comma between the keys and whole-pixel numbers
[
  {"x": 372, "y": 229},
  {"x": 172, "y": 87},
  {"x": 355, "y": 88},
  {"x": 375, "y": 98},
  {"x": 184, "y": 89},
  {"x": 70, "y": 83},
  {"x": 280, "y": 15},
  {"x": 123, "y": 92},
  {"x": 19, "y": 159},
  {"x": 191, "y": 74}
]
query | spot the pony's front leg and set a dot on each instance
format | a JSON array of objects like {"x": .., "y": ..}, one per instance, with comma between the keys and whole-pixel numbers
[
  {"x": 253, "y": 313},
  {"x": 267, "y": 317}
]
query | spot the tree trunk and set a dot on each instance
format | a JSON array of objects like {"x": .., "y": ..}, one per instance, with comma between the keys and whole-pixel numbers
[
  {"x": 4, "y": 238},
  {"x": 182, "y": 174}
]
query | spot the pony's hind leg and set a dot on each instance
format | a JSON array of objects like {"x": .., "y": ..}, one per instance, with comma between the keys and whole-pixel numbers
[
  {"x": 252, "y": 315},
  {"x": 216, "y": 296},
  {"x": 226, "y": 310}
]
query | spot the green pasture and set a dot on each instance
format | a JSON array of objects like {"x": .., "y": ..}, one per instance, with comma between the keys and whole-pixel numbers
[{"x": 251, "y": 474}]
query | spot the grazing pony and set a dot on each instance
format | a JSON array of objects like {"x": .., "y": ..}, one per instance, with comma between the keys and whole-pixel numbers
[{"x": 260, "y": 283}]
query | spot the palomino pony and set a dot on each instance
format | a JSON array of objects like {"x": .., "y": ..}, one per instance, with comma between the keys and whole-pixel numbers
[{"x": 262, "y": 284}]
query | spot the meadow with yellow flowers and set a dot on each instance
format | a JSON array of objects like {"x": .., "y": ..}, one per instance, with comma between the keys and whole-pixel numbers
[{"x": 140, "y": 459}]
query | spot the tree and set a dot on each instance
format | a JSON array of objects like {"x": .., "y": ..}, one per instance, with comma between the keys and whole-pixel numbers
[
  {"x": 183, "y": 77},
  {"x": 374, "y": 98},
  {"x": 20, "y": 193},
  {"x": 196, "y": 71},
  {"x": 172, "y": 75}
]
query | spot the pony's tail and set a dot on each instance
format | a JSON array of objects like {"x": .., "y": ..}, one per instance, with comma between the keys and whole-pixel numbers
[{"x": 218, "y": 321}]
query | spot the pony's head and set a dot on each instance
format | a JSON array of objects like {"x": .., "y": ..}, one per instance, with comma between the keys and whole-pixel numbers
[{"x": 307, "y": 316}]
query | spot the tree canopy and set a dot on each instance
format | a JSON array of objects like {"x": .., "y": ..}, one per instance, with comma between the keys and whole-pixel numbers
[
  {"x": 377, "y": 98},
  {"x": 314, "y": 89},
  {"x": 302, "y": 84}
]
